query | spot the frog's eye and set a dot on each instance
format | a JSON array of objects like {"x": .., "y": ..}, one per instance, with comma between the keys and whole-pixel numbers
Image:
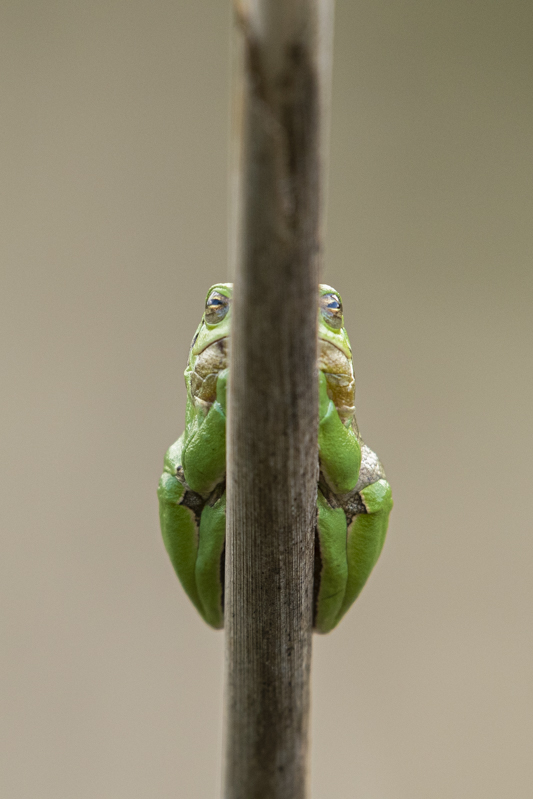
[
  {"x": 216, "y": 308},
  {"x": 331, "y": 308}
]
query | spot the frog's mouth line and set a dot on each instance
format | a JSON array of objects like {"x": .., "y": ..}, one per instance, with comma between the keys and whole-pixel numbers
[
  {"x": 322, "y": 343},
  {"x": 331, "y": 360},
  {"x": 211, "y": 343}
]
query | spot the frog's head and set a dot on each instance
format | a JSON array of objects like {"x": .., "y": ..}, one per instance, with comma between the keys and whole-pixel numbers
[
  {"x": 208, "y": 354},
  {"x": 216, "y": 321},
  {"x": 335, "y": 353},
  {"x": 331, "y": 320}
]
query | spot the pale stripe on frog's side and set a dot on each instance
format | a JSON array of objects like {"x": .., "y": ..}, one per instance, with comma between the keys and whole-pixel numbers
[{"x": 353, "y": 500}]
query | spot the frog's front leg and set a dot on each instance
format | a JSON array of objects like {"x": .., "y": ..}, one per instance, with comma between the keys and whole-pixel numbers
[
  {"x": 346, "y": 553},
  {"x": 338, "y": 447},
  {"x": 340, "y": 458},
  {"x": 204, "y": 449},
  {"x": 204, "y": 469},
  {"x": 192, "y": 508}
]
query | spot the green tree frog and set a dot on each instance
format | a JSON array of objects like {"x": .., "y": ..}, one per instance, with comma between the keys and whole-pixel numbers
[{"x": 353, "y": 496}]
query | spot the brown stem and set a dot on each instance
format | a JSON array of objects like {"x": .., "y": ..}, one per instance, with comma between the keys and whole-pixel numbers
[{"x": 272, "y": 428}]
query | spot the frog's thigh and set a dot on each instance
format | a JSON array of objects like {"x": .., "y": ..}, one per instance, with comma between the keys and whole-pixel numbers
[
  {"x": 334, "y": 569},
  {"x": 366, "y": 536},
  {"x": 208, "y": 564},
  {"x": 178, "y": 526}
]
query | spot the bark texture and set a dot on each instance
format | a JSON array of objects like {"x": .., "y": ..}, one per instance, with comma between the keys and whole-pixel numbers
[{"x": 272, "y": 428}]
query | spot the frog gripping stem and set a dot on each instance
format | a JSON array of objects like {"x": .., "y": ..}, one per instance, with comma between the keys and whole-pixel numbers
[
  {"x": 351, "y": 480},
  {"x": 273, "y": 510}
]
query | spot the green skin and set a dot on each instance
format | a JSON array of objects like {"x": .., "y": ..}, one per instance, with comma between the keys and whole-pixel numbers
[{"x": 353, "y": 499}]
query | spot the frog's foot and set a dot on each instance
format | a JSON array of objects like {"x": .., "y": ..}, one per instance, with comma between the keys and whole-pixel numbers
[
  {"x": 193, "y": 532},
  {"x": 179, "y": 512},
  {"x": 331, "y": 568},
  {"x": 366, "y": 536},
  {"x": 346, "y": 554},
  {"x": 209, "y": 569}
]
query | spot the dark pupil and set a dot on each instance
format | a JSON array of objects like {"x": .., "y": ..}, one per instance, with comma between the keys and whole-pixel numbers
[
  {"x": 216, "y": 308},
  {"x": 332, "y": 310}
]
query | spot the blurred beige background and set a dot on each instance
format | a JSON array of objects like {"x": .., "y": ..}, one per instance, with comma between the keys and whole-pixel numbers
[{"x": 114, "y": 186}]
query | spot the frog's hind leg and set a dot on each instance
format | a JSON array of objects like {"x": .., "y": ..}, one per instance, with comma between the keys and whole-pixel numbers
[
  {"x": 331, "y": 572},
  {"x": 179, "y": 526},
  {"x": 366, "y": 536},
  {"x": 209, "y": 563}
]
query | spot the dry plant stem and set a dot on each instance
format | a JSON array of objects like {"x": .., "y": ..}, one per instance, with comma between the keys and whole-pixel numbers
[{"x": 272, "y": 429}]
